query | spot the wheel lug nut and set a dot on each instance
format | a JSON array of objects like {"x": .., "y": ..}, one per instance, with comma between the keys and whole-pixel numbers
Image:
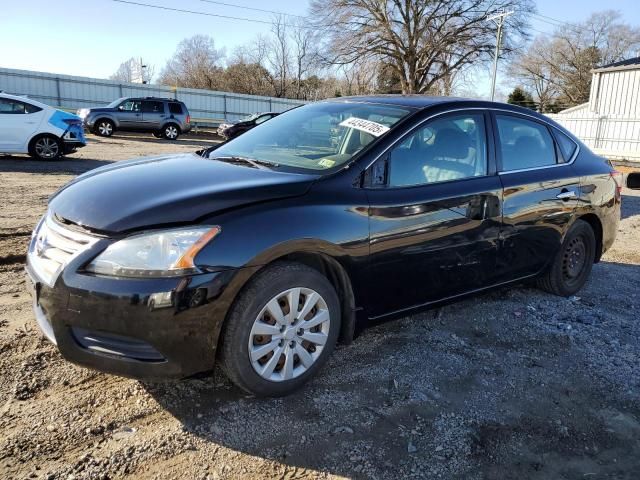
[
  {"x": 300, "y": 332},
  {"x": 292, "y": 344}
]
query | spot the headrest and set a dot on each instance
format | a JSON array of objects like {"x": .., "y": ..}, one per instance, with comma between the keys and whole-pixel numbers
[
  {"x": 451, "y": 143},
  {"x": 527, "y": 142}
]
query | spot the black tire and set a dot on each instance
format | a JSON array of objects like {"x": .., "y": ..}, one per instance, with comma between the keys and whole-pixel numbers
[
  {"x": 104, "y": 127},
  {"x": 572, "y": 265},
  {"x": 170, "y": 131},
  {"x": 236, "y": 335},
  {"x": 46, "y": 147}
]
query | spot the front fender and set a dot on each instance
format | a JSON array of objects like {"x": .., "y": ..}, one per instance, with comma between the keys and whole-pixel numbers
[{"x": 335, "y": 224}]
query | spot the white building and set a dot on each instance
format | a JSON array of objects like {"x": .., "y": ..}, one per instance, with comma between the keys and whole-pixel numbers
[{"x": 610, "y": 122}]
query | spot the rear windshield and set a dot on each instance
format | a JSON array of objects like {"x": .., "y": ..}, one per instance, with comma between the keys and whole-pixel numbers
[
  {"x": 318, "y": 136},
  {"x": 175, "y": 108}
]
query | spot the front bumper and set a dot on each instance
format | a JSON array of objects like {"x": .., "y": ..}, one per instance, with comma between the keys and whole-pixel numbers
[{"x": 122, "y": 326}]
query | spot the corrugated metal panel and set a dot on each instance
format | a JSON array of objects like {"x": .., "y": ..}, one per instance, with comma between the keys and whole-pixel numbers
[
  {"x": 618, "y": 93},
  {"x": 72, "y": 92}
]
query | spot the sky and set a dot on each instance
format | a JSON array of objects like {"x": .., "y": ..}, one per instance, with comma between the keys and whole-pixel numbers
[{"x": 92, "y": 37}]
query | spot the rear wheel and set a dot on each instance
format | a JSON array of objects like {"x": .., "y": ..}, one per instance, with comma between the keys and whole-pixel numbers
[
  {"x": 572, "y": 264},
  {"x": 281, "y": 330},
  {"x": 45, "y": 147},
  {"x": 171, "y": 131},
  {"x": 104, "y": 127}
]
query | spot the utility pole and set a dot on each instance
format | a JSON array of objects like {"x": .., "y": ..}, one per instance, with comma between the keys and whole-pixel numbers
[{"x": 498, "y": 19}]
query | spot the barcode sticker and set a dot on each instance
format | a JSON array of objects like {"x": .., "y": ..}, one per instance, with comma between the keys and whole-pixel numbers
[{"x": 373, "y": 128}]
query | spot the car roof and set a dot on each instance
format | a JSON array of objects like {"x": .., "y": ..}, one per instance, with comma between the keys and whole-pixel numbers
[
  {"x": 24, "y": 98},
  {"x": 421, "y": 102}
]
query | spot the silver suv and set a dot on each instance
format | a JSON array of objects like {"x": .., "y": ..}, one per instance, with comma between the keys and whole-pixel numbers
[{"x": 164, "y": 117}]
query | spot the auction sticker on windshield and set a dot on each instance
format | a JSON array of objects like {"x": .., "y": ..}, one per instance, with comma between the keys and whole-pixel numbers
[{"x": 373, "y": 128}]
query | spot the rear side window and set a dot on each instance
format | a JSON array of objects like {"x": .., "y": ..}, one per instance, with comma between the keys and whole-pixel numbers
[
  {"x": 567, "y": 146},
  {"x": 152, "y": 107},
  {"x": 15, "y": 107},
  {"x": 524, "y": 143},
  {"x": 175, "y": 108}
]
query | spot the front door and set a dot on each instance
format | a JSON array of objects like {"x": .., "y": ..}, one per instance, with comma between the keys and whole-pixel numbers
[
  {"x": 130, "y": 114},
  {"x": 435, "y": 215},
  {"x": 540, "y": 194}
]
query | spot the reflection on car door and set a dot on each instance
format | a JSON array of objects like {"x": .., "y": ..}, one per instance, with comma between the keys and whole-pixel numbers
[
  {"x": 435, "y": 222},
  {"x": 540, "y": 195},
  {"x": 19, "y": 121},
  {"x": 153, "y": 113}
]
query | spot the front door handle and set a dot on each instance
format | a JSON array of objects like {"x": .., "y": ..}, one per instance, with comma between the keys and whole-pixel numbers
[{"x": 567, "y": 195}]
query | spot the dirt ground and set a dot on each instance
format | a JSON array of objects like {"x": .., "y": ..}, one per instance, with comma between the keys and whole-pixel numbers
[{"x": 512, "y": 384}]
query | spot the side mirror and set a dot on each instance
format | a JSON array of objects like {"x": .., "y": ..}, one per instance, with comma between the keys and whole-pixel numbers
[{"x": 633, "y": 181}]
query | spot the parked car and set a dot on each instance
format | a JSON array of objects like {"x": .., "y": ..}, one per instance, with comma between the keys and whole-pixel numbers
[
  {"x": 234, "y": 129},
  {"x": 164, "y": 117},
  {"x": 264, "y": 253},
  {"x": 45, "y": 133}
]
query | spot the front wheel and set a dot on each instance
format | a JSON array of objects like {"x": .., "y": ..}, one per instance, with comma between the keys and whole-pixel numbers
[
  {"x": 104, "y": 127},
  {"x": 572, "y": 264},
  {"x": 281, "y": 330}
]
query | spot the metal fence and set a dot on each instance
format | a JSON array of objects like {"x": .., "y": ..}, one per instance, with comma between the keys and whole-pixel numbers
[
  {"x": 615, "y": 138},
  {"x": 207, "y": 107}
]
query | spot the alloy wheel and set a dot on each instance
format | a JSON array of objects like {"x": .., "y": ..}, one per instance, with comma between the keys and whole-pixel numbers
[
  {"x": 289, "y": 334},
  {"x": 171, "y": 132},
  {"x": 46, "y": 147},
  {"x": 105, "y": 129}
]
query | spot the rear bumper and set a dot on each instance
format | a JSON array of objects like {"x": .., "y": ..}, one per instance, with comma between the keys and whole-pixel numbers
[{"x": 140, "y": 328}]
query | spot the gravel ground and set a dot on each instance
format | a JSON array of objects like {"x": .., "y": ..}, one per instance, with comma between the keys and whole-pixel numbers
[{"x": 512, "y": 384}]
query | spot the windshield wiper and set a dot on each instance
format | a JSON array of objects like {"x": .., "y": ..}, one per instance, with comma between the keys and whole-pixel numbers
[{"x": 247, "y": 161}]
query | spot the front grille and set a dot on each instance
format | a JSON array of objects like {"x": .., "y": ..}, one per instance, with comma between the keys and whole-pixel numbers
[{"x": 53, "y": 246}]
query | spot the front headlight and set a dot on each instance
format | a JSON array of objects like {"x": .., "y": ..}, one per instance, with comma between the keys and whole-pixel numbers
[{"x": 167, "y": 253}]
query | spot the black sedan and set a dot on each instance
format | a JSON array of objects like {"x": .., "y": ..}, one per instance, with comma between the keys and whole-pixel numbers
[
  {"x": 266, "y": 251},
  {"x": 232, "y": 130}
]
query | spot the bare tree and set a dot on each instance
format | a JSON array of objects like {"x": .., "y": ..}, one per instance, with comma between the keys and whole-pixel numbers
[
  {"x": 423, "y": 41},
  {"x": 133, "y": 71},
  {"x": 535, "y": 73},
  {"x": 279, "y": 55},
  {"x": 195, "y": 64},
  {"x": 305, "y": 53},
  {"x": 558, "y": 69}
]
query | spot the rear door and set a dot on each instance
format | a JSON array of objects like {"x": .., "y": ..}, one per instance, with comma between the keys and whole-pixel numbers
[
  {"x": 435, "y": 217},
  {"x": 540, "y": 194},
  {"x": 153, "y": 113},
  {"x": 19, "y": 121}
]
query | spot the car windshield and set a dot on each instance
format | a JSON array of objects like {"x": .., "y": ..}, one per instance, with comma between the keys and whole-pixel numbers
[
  {"x": 249, "y": 117},
  {"x": 116, "y": 102},
  {"x": 318, "y": 136}
]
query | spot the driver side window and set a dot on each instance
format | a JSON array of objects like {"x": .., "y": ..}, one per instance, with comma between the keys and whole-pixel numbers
[
  {"x": 130, "y": 106},
  {"x": 452, "y": 147}
]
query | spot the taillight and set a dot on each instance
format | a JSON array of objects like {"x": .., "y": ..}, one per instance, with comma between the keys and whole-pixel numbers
[
  {"x": 188, "y": 119},
  {"x": 618, "y": 177}
]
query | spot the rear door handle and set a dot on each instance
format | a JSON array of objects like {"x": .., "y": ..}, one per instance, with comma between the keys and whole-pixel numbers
[{"x": 567, "y": 195}]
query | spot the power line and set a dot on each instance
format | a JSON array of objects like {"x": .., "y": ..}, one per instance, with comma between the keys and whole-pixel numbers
[
  {"x": 234, "y": 5},
  {"x": 194, "y": 12}
]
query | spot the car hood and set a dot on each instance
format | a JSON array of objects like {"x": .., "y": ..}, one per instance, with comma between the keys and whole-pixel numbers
[
  {"x": 102, "y": 110},
  {"x": 171, "y": 189}
]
